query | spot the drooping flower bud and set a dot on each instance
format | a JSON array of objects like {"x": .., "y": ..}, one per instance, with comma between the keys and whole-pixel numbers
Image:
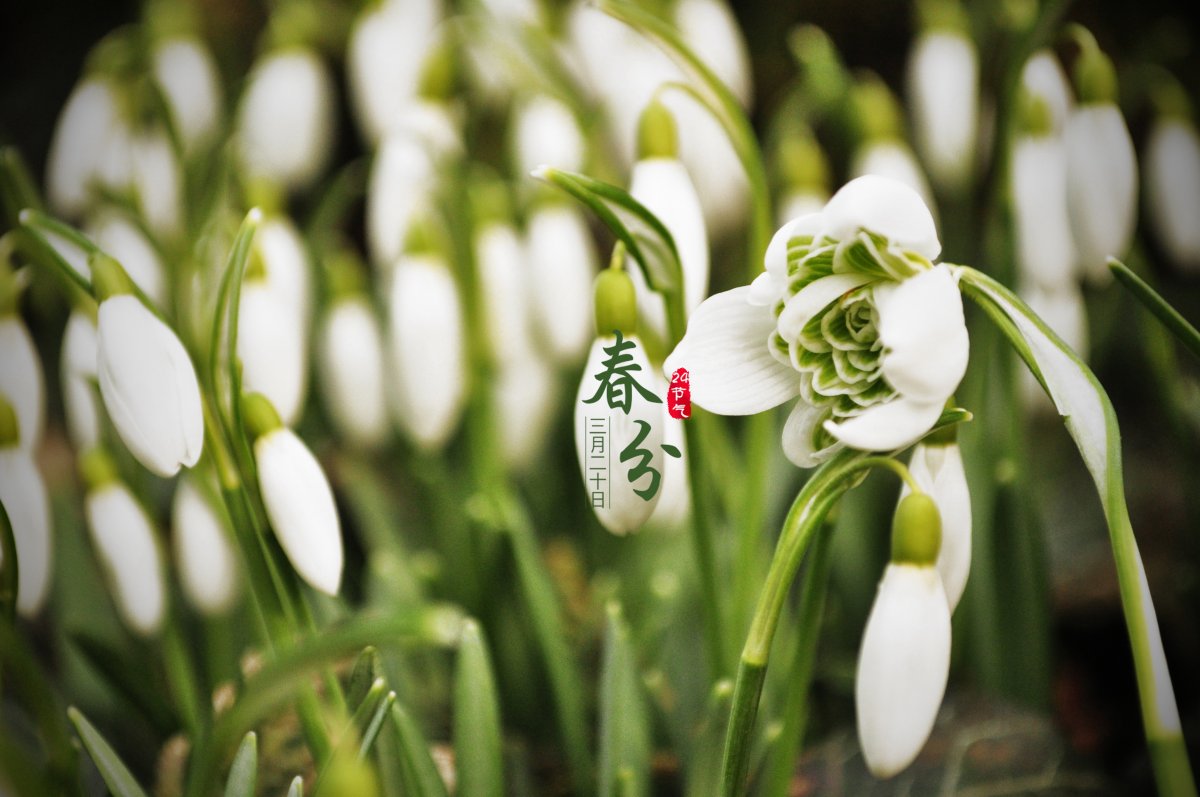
[
  {"x": 546, "y": 131},
  {"x": 21, "y": 378},
  {"x": 562, "y": 265},
  {"x": 79, "y": 377},
  {"x": 1046, "y": 252},
  {"x": 125, "y": 242},
  {"x": 1172, "y": 181},
  {"x": 204, "y": 556},
  {"x": 83, "y": 136},
  {"x": 186, "y": 72},
  {"x": 297, "y": 497},
  {"x": 937, "y": 468},
  {"x": 27, "y": 504}
]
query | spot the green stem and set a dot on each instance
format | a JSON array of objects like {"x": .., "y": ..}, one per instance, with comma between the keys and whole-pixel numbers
[
  {"x": 10, "y": 575},
  {"x": 1156, "y": 304},
  {"x": 181, "y": 676},
  {"x": 706, "y": 560}
]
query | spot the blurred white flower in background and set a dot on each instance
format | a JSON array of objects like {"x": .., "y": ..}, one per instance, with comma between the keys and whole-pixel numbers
[
  {"x": 545, "y": 130},
  {"x": 1172, "y": 185},
  {"x": 27, "y": 504},
  {"x": 351, "y": 360},
  {"x": 21, "y": 377},
  {"x": 185, "y": 70},
  {"x": 86, "y": 125},
  {"x": 79, "y": 378},
  {"x": 562, "y": 265},
  {"x": 121, "y": 238},
  {"x": 204, "y": 555}
]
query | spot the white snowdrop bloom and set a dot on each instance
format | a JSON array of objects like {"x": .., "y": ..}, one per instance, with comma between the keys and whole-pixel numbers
[
  {"x": 943, "y": 84},
  {"x": 271, "y": 348},
  {"x": 285, "y": 259},
  {"x": 546, "y": 131},
  {"x": 1043, "y": 77},
  {"x": 125, "y": 544},
  {"x": 1102, "y": 186},
  {"x": 500, "y": 260},
  {"x": 850, "y": 315},
  {"x": 204, "y": 555},
  {"x": 893, "y": 159},
  {"x": 117, "y": 167},
  {"x": 938, "y": 470},
  {"x": 562, "y": 265},
  {"x": 384, "y": 56},
  {"x": 125, "y": 242},
  {"x": 602, "y": 432},
  {"x": 21, "y": 380},
  {"x": 147, "y": 381},
  {"x": 402, "y": 177},
  {"x": 903, "y": 667},
  {"x": 23, "y": 494},
  {"x": 298, "y": 499},
  {"x": 157, "y": 182},
  {"x": 286, "y": 118},
  {"x": 185, "y": 70},
  {"x": 1045, "y": 248},
  {"x": 80, "y": 144},
  {"x": 427, "y": 346},
  {"x": 1172, "y": 181},
  {"x": 801, "y": 203},
  {"x": 352, "y": 370},
  {"x": 524, "y": 395},
  {"x": 78, "y": 376},
  {"x": 709, "y": 27}
]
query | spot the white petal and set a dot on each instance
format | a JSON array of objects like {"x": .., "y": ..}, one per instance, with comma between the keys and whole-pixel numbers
[
  {"x": 400, "y": 181},
  {"x": 352, "y": 369},
  {"x": 78, "y": 147},
  {"x": 286, "y": 261},
  {"x": 798, "y": 432},
  {"x": 203, "y": 553},
  {"x": 764, "y": 290},
  {"x": 775, "y": 259},
  {"x": 884, "y": 427},
  {"x": 562, "y": 266},
  {"x": 78, "y": 377},
  {"x": 187, "y": 74},
  {"x": 525, "y": 392},
  {"x": 300, "y": 506},
  {"x": 814, "y": 298},
  {"x": 675, "y": 496},
  {"x": 1173, "y": 189},
  {"x": 1101, "y": 186},
  {"x": 902, "y": 667},
  {"x": 149, "y": 386},
  {"x": 1045, "y": 248},
  {"x": 726, "y": 353},
  {"x": 943, "y": 83},
  {"x": 709, "y": 27},
  {"x": 23, "y": 494},
  {"x": 894, "y": 160},
  {"x": 128, "y": 551},
  {"x": 924, "y": 335},
  {"x": 21, "y": 381},
  {"x": 428, "y": 350},
  {"x": 157, "y": 182},
  {"x": 602, "y": 433},
  {"x": 126, "y": 243},
  {"x": 885, "y": 207},
  {"x": 500, "y": 260},
  {"x": 939, "y": 472},
  {"x": 547, "y": 132},
  {"x": 271, "y": 349}
]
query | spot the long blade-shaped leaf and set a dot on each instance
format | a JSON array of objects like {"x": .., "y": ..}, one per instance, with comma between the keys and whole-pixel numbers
[
  {"x": 477, "y": 739},
  {"x": 10, "y": 575},
  {"x": 420, "y": 774},
  {"x": 244, "y": 772},
  {"x": 624, "y": 726},
  {"x": 116, "y": 775},
  {"x": 1092, "y": 423},
  {"x": 297, "y": 787},
  {"x": 371, "y": 733},
  {"x": 1162, "y": 309}
]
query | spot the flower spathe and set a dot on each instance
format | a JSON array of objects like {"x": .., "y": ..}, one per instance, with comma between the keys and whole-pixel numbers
[
  {"x": 850, "y": 315},
  {"x": 129, "y": 554},
  {"x": 149, "y": 386},
  {"x": 903, "y": 666}
]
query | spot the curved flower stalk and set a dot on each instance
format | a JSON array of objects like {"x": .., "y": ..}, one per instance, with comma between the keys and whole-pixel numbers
[
  {"x": 351, "y": 359},
  {"x": 124, "y": 241},
  {"x": 1046, "y": 253},
  {"x": 427, "y": 349},
  {"x": 297, "y": 497},
  {"x": 851, "y": 316},
  {"x": 79, "y": 376},
  {"x": 1101, "y": 168},
  {"x": 86, "y": 129},
  {"x": 661, "y": 183},
  {"x": 882, "y": 149},
  {"x": 562, "y": 265},
  {"x": 285, "y": 118},
  {"x": 147, "y": 381},
  {"x": 126, "y": 545},
  {"x": 205, "y": 558},
  {"x": 943, "y": 84},
  {"x": 23, "y": 494},
  {"x": 546, "y": 131},
  {"x": 937, "y": 468},
  {"x": 384, "y": 56},
  {"x": 187, "y": 74},
  {"x": 21, "y": 378},
  {"x": 1172, "y": 185}
]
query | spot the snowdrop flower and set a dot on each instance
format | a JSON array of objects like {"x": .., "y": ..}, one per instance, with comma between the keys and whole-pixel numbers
[
  {"x": 562, "y": 265},
  {"x": 270, "y": 347},
  {"x": 205, "y": 558},
  {"x": 427, "y": 349},
  {"x": 284, "y": 258},
  {"x": 1101, "y": 169},
  {"x": 943, "y": 84},
  {"x": 904, "y": 661},
  {"x": 297, "y": 496},
  {"x": 126, "y": 545},
  {"x": 79, "y": 376},
  {"x": 384, "y": 56},
  {"x": 616, "y": 414},
  {"x": 1173, "y": 188},
  {"x": 937, "y": 467},
  {"x": 21, "y": 371},
  {"x": 661, "y": 183},
  {"x": 1042, "y": 77},
  {"x": 709, "y": 27},
  {"x": 147, "y": 381},
  {"x": 500, "y": 260},
  {"x": 125, "y": 242},
  {"x": 851, "y": 316},
  {"x": 86, "y": 126},
  {"x": 1038, "y": 183},
  {"x": 546, "y": 131},
  {"x": 23, "y": 495},
  {"x": 157, "y": 181},
  {"x": 352, "y": 368},
  {"x": 286, "y": 118},
  {"x": 185, "y": 70},
  {"x": 883, "y": 150},
  {"x": 524, "y": 394}
]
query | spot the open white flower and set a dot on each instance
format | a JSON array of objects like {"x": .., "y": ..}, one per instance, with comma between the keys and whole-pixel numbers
[
  {"x": 23, "y": 495},
  {"x": 204, "y": 555},
  {"x": 850, "y": 315},
  {"x": 21, "y": 379}
]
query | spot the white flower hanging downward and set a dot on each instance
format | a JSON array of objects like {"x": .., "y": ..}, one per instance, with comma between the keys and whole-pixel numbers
[
  {"x": 24, "y": 498},
  {"x": 851, "y": 316}
]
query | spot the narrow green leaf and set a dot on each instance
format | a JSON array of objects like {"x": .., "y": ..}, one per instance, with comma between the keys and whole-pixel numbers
[
  {"x": 367, "y": 670},
  {"x": 420, "y": 774},
  {"x": 297, "y": 787},
  {"x": 124, "y": 680},
  {"x": 1156, "y": 304},
  {"x": 646, "y": 239},
  {"x": 10, "y": 576},
  {"x": 477, "y": 738},
  {"x": 704, "y": 771},
  {"x": 244, "y": 772},
  {"x": 371, "y": 733},
  {"x": 116, "y": 775},
  {"x": 625, "y": 743},
  {"x": 18, "y": 189}
]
